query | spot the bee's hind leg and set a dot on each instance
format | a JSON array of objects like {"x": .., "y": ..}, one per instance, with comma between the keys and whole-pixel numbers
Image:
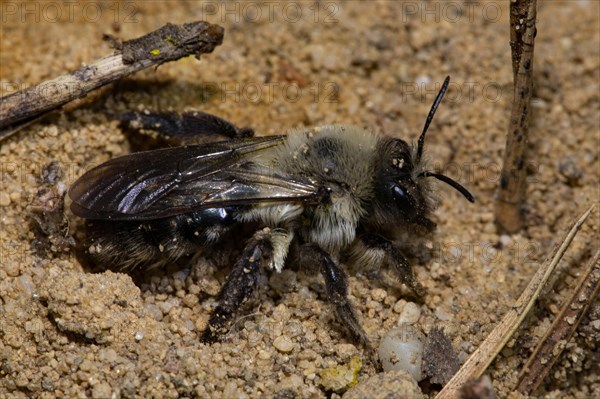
[
  {"x": 240, "y": 284},
  {"x": 336, "y": 284},
  {"x": 186, "y": 128}
]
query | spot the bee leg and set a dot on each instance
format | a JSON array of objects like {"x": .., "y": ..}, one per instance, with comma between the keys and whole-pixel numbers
[
  {"x": 336, "y": 284},
  {"x": 394, "y": 257},
  {"x": 186, "y": 128},
  {"x": 240, "y": 284}
]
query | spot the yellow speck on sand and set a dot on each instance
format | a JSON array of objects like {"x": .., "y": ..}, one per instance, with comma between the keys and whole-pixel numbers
[{"x": 342, "y": 377}]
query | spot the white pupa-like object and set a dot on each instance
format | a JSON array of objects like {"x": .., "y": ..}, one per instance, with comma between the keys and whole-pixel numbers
[{"x": 402, "y": 349}]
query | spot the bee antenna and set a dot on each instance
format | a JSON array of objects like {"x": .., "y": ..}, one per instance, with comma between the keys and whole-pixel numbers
[
  {"x": 437, "y": 102},
  {"x": 450, "y": 182}
]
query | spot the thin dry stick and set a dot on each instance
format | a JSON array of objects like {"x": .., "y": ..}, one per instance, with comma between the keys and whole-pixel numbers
[
  {"x": 169, "y": 43},
  {"x": 511, "y": 196},
  {"x": 556, "y": 338},
  {"x": 478, "y": 362}
]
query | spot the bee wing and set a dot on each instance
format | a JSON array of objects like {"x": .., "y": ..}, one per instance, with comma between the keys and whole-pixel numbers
[{"x": 172, "y": 181}]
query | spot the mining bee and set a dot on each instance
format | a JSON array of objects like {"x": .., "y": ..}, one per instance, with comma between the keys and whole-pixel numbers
[{"x": 322, "y": 194}]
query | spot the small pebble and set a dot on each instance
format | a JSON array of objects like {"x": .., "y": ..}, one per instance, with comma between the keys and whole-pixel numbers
[
  {"x": 505, "y": 240},
  {"x": 281, "y": 313},
  {"x": 392, "y": 384},
  {"x": 230, "y": 390},
  {"x": 293, "y": 381},
  {"x": 442, "y": 314},
  {"x": 107, "y": 355},
  {"x": 399, "y": 306},
  {"x": 166, "y": 306},
  {"x": 410, "y": 314},
  {"x": 101, "y": 391},
  {"x": 283, "y": 344},
  {"x": 378, "y": 294},
  {"x": 12, "y": 268},
  {"x": 346, "y": 351},
  {"x": 4, "y": 199},
  {"x": 569, "y": 170},
  {"x": 86, "y": 365}
]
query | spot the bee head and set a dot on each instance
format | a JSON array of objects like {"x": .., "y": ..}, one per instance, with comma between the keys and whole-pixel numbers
[{"x": 403, "y": 186}]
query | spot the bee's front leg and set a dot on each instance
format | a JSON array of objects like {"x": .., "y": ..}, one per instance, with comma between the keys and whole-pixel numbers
[
  {"x": 336, "y": 284},
  {"x": 394, "y": 257},
  {"x": 240, "y": 284},
  {"x": 192, "y": 127}
]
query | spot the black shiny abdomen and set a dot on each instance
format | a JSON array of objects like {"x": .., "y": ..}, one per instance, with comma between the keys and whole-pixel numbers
[{"x": 125, "y": 244}]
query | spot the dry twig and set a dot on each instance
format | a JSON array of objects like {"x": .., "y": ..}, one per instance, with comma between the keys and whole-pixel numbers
[
  {"x": 511, "y": 196},
  {"x": 478, "y": 362},
  {"x": 556, "y": 338},
  {"x": 169, "y": 43}
]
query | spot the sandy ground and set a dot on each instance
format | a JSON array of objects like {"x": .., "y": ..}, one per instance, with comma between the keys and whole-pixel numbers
[{"x": 68, "y": 332}]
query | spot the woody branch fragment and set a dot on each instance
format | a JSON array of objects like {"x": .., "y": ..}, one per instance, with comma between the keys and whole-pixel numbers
[
  {"x": 168, "y": 43},
  {"x": 560, "y": 333},
  {"x": 478, "y": 362},
  {"x": 511, "y": 196}
]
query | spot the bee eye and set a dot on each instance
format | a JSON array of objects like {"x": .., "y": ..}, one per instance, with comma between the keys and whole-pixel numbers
[{"x": 401, "y": 196}]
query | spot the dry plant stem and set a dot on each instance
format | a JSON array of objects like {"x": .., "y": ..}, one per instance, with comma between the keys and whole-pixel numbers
[
  {"x": 478, "y": 362},
  {"x": 556, "y": 338},
  {"x": 169, "y": 43},
  {"x": 511, "y": 195}
]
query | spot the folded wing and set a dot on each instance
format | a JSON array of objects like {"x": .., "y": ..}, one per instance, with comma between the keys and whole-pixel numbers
[{"x": 172, "y": 181}]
